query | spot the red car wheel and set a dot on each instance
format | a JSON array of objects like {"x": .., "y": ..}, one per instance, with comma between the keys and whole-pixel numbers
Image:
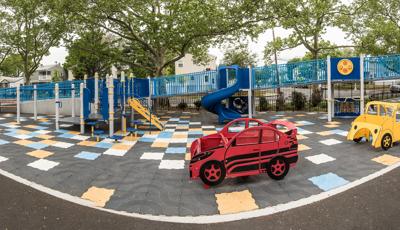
[
  {"x": 278, "y": 168},
  {"x": 212, "y": 173}
]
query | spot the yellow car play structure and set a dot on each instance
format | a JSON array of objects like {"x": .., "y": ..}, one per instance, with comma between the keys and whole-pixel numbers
[{"x": 380, "y": 123}]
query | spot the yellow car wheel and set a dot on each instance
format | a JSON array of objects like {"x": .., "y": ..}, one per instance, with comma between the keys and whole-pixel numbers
[{"x": 386, "y": 142}]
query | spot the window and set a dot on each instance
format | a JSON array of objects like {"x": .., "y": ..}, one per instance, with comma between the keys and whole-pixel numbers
[
  {"x": 180, "y": 64},
  {"x": 398, "y": 116},
  {"x": 248, "y": 137},
  {"x": 268, "y": 136},
  {"x": 253, "y": 124},
  {"x": 372, "y": 110},
  {"x": 382, "y": 111},
  {"x": 237, "y": 127},
  {"x": 389, "y": 111},
  {"x": 206, "y": 79}
]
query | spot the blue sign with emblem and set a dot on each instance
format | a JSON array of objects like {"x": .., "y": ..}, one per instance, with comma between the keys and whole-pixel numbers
[{"x": 345, "y": 69}]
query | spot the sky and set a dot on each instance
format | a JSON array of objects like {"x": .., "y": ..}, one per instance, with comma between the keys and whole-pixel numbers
[{"x": 333, "y": 34}]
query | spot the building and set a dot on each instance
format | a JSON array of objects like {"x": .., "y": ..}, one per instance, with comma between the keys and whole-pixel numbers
[
  {"x": 11, "y": 82},
  {"x": 186, "y": 65},
  {"x": 44, "y": 73}
]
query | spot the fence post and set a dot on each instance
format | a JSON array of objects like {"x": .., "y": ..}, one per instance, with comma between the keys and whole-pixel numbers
[
  {"x": 85, "y": 79},
  {"x": 18, "y": 104},
  {"x": 132, "y": 97},
  {"x": 111, "y": 105},
  {"x": 82, "y": 121},
  {"x": 362, "y": 88},
  {"x": 250, "y": 93},
  {"x": 329, "y": 84},
  {"x": 123, "y": 102},
  {"x": 96, "y": 93},
  {"x": 73, "y": 100},
  {"x": 35, "y": 102},
  {"x": 57, "y": 105}
]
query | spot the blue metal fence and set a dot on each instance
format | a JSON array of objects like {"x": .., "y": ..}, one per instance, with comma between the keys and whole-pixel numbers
[{"x": 265, "y": 77}]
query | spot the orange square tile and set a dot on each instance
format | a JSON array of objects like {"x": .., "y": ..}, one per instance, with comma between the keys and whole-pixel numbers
[
  {"x": 23, "y": 142},
  {"x": 130, "y": 138},
  {"x": 325, "y": 133},
  {"x": 234, "y": 202},
  {"x": 23, "y": 132},
  {"x": 303, "y": 147},
  {"x": 185, "y": 117},
  {"x": 331, "y": 126},
  {"x": 334, "y": 123},
  {"x": 87, "y": 143},
  {"x": 158, "y": 144},
  {"x": 45, "y": 136},
  {"x": 121, "y": 147},
  {"x": 387, "y": 159},
  {"x": 100, "y": 196},
  {"x": 300, "y": 115},
  {"x": 74, "y": 132},
  {"x": 208, "y": 132},
  {"x": 301, "y": 137},
  {"x": 179, "y": 135},
  {"x": 48, "y": 142},
  {"x": 188, "y": 157},
  {"x": 40, "y": 154}
]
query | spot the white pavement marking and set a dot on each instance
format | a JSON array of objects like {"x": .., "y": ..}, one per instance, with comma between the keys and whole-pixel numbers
[
  {"x": 320, "y": 158},
  {"x": 212, "y": 218}
]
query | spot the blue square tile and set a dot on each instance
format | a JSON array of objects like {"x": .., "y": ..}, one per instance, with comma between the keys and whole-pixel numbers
[
  {"x": 174, "y": 119},
  {"x": 165, "y": 135},
  {"x": 195, "y": 132},
  {"x": 328, "y": 181},
  {"x": 103, "y": 145},
  {"x": 66, "y": 135},
  {"x": 37, "y": 145},
  {"x": 175, "y": 150},
  {"x": 146, "y": 139},
  {"x": 87, "y": 155},
  {"x": 2, "y": 142}
]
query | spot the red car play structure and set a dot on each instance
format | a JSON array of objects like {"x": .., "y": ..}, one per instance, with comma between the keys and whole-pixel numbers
[{"x": 245, "y": 147}]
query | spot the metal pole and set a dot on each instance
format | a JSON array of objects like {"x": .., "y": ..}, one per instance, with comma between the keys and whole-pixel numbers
[
  {"x": 85, "y": 79},
  {"x": 123, "y": 102},
  {"x": 82, "y": 121},
  {"x": 18, "y": 104},
  {"x": 132, "y": 96},
  {"x": 149, "y": 100},
  {"x": 35, "y": 102},
  {"x": 329, "y": 96},
  {"x": 250, "y": 93},
  {"x": 362, "y": 87},
  {"x": 96, "y": 93},
  {"x": 73, "y": 100},
  {"x": 111, "y": 105},
  {"x": 57, "y": 105}
]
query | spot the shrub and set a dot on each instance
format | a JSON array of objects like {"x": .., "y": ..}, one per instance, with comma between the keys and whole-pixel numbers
[
  {"x": 316, "y": 97},
  {"x": 264, "y": 105},
  {"x": 280, "y": 102},
  {"x": 299, "y": 100},
  {"x": 182, "y": 105},
  {"x": 197, "y": 104}
]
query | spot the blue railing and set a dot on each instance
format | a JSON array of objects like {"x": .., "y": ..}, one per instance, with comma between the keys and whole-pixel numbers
[
  {"x": 200, "y": 82},
  {"x": 382, "y": 67},
  {"x": 265, "y": 77}
]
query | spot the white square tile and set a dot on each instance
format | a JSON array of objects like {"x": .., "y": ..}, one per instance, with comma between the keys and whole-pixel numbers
[
  {"x": 320, "y": 158},
  {"x": 42, "y": 132},
  {"x": 178, "y": 140},
  {"x": 3, "y": 159},
  {"x": 66, "y": 125},
  {"x": 330, "y": 142},
  {"x": 163, "y": 140},
  {"x": 22, "y": 136},
  {"x": 43, "y": 164},
  {"x": 169, "y": 130},
  {"x": 172, "y": 164},
  {"x": 303, "y": 131},
  {"x": 115, "y": 152},
  {"x": 208, "y": 127},
  {"x": 170, "y": 125},
  {"x": 63, "y": 145},
  {"x": 108, "y": 140},
  {"x": 80, "y": 138},
  {"x": 152, "y": 156},
  {"x": 194, "y": 123}
]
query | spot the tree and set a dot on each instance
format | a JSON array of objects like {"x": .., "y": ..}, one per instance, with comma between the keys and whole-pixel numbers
[
  {"x": 56, "y": 76},
  {"x": 31, "y": 29},
  {"x": 344, "y": 52},
  {"x": 307, "y": 20},
  {"x": 158, "y": 33},
  {"x": 374, "y": 26},
  {"x": 239, "y": 55},
  {"x": 92, "y": 52},
  {"x": 12, "y": 66}
]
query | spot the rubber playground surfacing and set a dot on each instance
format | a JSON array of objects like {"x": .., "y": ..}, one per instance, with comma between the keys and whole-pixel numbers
[{"x": 149, "y": 175}]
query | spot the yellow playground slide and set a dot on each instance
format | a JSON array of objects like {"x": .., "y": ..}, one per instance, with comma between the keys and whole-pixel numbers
[{"x": 142, "y": 110}]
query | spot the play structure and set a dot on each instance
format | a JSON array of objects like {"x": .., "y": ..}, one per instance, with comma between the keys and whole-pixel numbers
[
  {"x": 244, "y": 147},
  {"x": 379, "y": 124},
  {"x": 227, "y": 91}
]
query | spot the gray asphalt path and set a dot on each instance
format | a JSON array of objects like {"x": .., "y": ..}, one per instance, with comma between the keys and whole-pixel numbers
[{"x": 373, "y": 205}]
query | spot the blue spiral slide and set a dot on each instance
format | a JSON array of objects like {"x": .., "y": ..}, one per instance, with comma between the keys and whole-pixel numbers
[{"x": 212, "y": 103}]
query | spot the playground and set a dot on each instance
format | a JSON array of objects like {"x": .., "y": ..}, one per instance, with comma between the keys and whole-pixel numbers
[{"x": 109, "y": 143}]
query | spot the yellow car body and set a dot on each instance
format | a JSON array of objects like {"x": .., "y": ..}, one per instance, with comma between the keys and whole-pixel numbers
[{"x": 379, "y": 124}]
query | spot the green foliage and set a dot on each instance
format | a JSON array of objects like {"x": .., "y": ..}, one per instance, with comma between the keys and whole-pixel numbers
[
  {"x": 299, "y": 100},
  {"x": 316, "y": 97},
  {"x": 264, "y": 105},
  {"x": 307, "y": 21},
  {"x": 197, "y": 104},
  {"x": 239, "y": 55},
  {"x": 374, "y": 25},
  {"x": 31, "y": 28},
  {"x": 92, "y": 52},
  {"x": 182, "y": 105},
  {"x": 155, "y": 34},
  {"x": 338, "y": 52},
  {"x": 56, "y": 76},
  {"x": 12, "y": 66}
]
